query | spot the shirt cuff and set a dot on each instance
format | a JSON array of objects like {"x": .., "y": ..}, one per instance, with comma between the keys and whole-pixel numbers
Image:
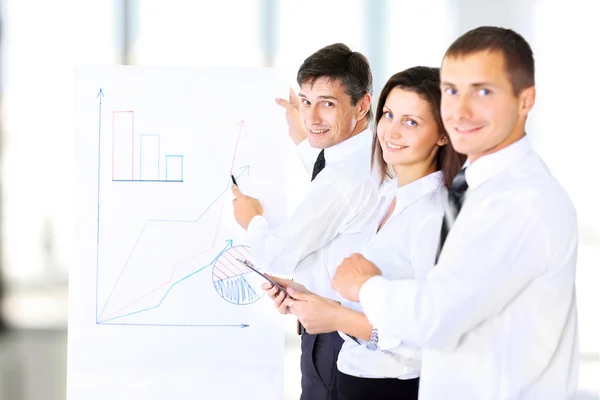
[
  {"x": 257, "y": 226},
  {"x": 370, "y": 292},
  {"x": 258, "y": 229},
  {"x": 372, "y": 298}
]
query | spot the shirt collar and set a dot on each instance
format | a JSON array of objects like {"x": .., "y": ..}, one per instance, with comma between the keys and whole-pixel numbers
[
  {"x": 408, "y": 194},
  {"x": 348, "y": 147},
  {"x": 487, "y": 166}
]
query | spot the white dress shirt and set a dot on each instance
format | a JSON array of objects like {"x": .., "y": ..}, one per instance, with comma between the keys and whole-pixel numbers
[
  {"x": 496, "y": 316},
  {"x": 329, "y": 224},
  {"x": 404, "y": 248}
]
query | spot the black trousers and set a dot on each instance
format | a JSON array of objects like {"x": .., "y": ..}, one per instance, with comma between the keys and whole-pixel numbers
[
  {"x": 354, "y": 388},
  {"x": 318, "y": 364}
]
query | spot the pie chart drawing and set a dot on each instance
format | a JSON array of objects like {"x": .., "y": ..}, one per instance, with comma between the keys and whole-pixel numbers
[{"x": 233, "y": 281}]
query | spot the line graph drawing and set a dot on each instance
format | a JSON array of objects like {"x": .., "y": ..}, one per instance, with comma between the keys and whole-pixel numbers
[
  {"x": 167, "y": 221},
  {"x": 120, "y": 304},
  {"x": 109, "y": 318}
]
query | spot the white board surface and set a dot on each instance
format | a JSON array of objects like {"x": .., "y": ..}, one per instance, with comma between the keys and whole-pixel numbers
[{"x": 159, "y": 308}]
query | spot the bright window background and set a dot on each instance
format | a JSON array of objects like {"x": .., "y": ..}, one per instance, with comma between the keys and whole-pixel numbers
[
  {"x": 305, "y": 26},
  {"x": 568, "y": 138},
  {"x": 188, "y": 32},
  {"x": 39, "y": 51},
  {"x": 419, "y": 33}
]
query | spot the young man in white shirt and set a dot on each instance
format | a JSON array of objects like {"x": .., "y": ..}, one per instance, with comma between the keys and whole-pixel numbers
[
  {"x": 497, "y": 314},
  {"x": 333, "y": 113}
]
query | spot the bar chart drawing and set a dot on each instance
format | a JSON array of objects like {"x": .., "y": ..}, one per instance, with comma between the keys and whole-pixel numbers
[{"x": 147, "y": 146}]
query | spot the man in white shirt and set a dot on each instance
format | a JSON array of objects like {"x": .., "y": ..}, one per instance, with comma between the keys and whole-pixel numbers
[
  {"x": 335, "y": 108},
  {"x": 497, "y": 315}
]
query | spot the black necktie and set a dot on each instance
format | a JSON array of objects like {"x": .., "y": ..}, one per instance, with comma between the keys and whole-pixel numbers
[
  {"x": 318, "y": 167},
  {"x": 319, "y": 164},
  {"x": 456, "y": 197}
]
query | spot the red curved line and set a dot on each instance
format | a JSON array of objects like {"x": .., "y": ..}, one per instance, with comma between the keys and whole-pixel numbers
[{"x": 242, "y": 124}]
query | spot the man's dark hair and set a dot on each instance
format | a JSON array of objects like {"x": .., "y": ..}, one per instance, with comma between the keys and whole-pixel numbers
[
  {"x": 518, "y": 57},
  {"x": 338, "y": 62}
]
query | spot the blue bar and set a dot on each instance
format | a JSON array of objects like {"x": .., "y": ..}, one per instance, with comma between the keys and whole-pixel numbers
[
  {"x": 150, "y": 158},
  {"x": 174, "y": 168}
]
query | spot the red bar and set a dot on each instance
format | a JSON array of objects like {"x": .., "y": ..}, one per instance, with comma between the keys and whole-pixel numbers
[{"x": 120, "y": 147}]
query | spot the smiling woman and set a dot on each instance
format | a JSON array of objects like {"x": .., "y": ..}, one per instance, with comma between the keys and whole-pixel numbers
[{"x": 411, "y": 140}]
